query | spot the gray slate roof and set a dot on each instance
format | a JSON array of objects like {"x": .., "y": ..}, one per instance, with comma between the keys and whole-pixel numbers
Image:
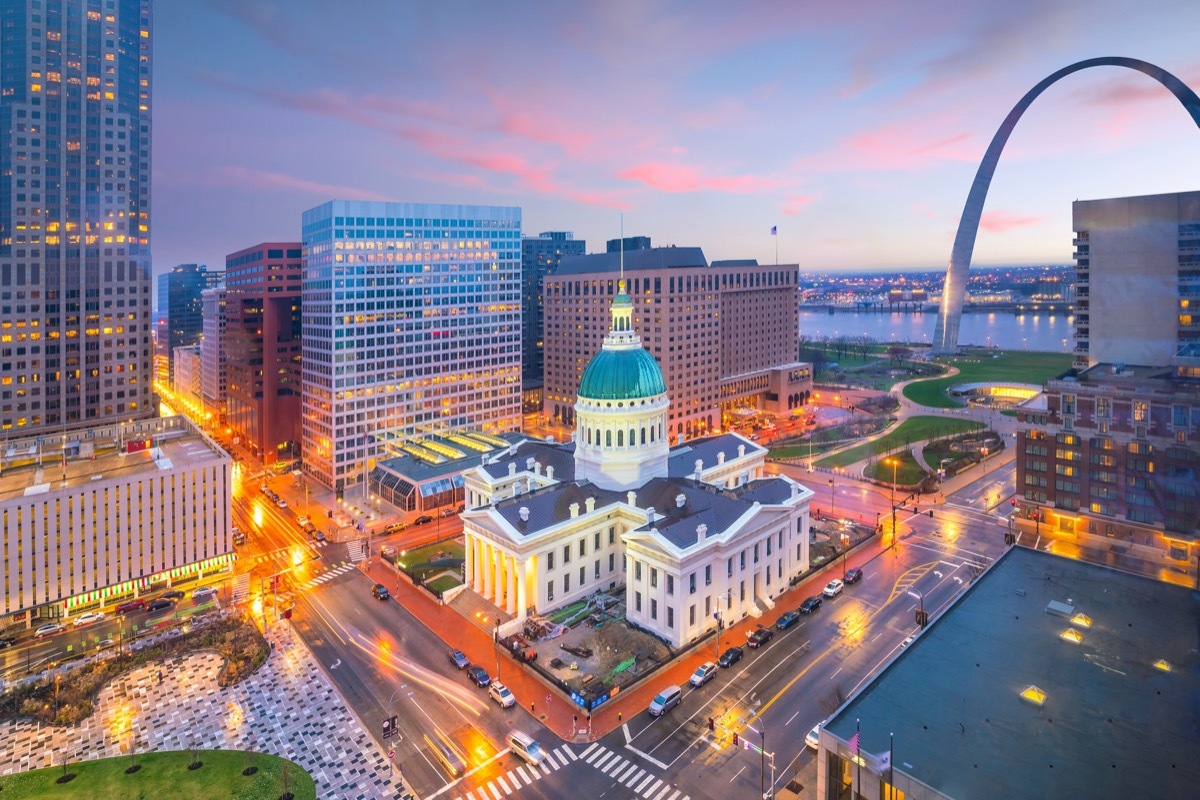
[
  {"x": 552, "y": 505},
  {"x": 559, "y": 456},
  {"x": 635, "y": 260},
  {"x": 683, "y": 458}
]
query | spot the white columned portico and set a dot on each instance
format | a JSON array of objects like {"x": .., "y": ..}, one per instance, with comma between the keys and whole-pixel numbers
[
  {"x": 469, "y": 559},
  {"x": 487, "y": 570},
  {"x": 498, "y": 578},
  {"x": 510, "y": 565},
  {"x": 522, "y": 603}
]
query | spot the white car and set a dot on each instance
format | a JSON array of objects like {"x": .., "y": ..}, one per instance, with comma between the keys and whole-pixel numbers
[
  {"x": 703, "y": 674},
  {"x": 813, "y": 739},
  {"x": 88, "y": 618},
  {"x": 49, "y": 629},
  {"x": 833, "y": 588},
  {"x": 907, "y": 641},
  {"x": 282, "y": 503},
  {"x": 500, "y": 693}
]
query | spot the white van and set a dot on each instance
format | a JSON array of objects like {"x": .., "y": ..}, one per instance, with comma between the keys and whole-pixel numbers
[
  {"x": 525, "y": 747},
  {"x": 667, "y": 699}
]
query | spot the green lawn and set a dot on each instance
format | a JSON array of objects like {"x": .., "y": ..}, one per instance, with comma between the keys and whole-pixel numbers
[
  {"x": 1018, "y": 366},
  {"x": 913, "y": 429},
  {"x": 907, "y": 472},
  {"x": 443, "y": 583},
  {"x": 422, "y": 555},
  {"x": 164, "y": 774}
]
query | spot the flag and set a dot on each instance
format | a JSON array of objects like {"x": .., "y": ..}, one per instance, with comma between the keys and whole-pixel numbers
[
  {"x": 853, "y": 743},
  {"x": 774, "y": 230}
]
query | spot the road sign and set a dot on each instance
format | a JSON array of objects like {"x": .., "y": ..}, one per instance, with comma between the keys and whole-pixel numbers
[
  {"x": 547, "y": 699},
  {"x": 391, "y": 754}
]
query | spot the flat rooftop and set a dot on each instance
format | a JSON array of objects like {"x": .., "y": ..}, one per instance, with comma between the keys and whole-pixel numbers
[
  {"x": 1112, "y": 723},
  {"x": 178, "y": 446}
]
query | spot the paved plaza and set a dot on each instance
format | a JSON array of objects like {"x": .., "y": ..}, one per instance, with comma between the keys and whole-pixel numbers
[{"x": 288, "y": 708}]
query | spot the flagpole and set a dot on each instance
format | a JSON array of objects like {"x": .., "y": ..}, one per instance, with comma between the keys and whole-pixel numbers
[
  {"x": 857, "y": 760},
  {"x": 891, "y": 769}
]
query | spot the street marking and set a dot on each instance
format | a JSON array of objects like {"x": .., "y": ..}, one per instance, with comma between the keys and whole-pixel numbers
[
  {"x": 663, "y": 793},
  {"x": 600, "y": 761},
  {"x": 643, "y": 783},
  {"x": 569, "y": 752},
  {"x": 647, "y": 756},
  {"x": 616, "y": 767},
  {"x": 657, "y": 783},
  {"x": 789, "y": 722},
  {"x": 589, "y": 749},
  {"x": 492, "y": 788}
]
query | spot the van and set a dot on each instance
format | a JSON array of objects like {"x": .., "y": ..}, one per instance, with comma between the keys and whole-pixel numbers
[
  {"x": 446, "y": 754},
  {"x": 525, "y": 747},
  {"x": 667, "y": 699}
]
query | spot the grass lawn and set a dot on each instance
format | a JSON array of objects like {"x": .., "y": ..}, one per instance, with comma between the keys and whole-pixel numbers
[
  {"x": 443, "y": 583},
  {"x": 798, "y": 450},
  {"x": 421, "y": 555},
  {"x": 913, "y": 429},
  {"x": 1018, "y": 366},
  {"x": 908, "y": 472},
  {"x": 164, "y": 774}
]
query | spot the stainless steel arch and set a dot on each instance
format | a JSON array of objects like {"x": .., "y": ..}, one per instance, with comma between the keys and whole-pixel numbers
[{"x": 945, "y": 336}]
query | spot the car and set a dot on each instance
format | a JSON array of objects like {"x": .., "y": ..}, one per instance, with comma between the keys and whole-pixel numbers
[
  {"x": 703, "y": 674},
  {"x": 131, "y": 605},
  {"x": 478, "y": 675},
  {"x": 448, "y": 512},
  {"x": 88, "y": 618},
  {"x": 262, "y": 487},
  {"x": 447, "y": 753},
  {"x": 665, "y": 700},
  {"x": 239, "y": 538},
  {"x": 282, "y": 503},
  {"x": 310, "y": 529},
  {"x": 318, "y": 536},
  {"x": 459, "y": 659},
  {"x": 853, "y": 575},
  {"x": 301, "y": 521},
  {"x": 813, "y": 737},
  {"x": 49, "y": 629},
  {"x": 730, "y": 657},
  {"x": 396, "y": 527},
  {"x": 203, "y": 593},
  {"x": 4, "y": 642},
  {"x": 788, "y": 619},
  {"x": 160, "y": 604},
  {"x": 760, "y": 636},
  {"x": 423, "y": 519},
  {"x": 525, "y": 747},
  {"x": 833, "y": 588},
  {"x": 461, "y": 508},
  {"x": 172, "y": 594},
  {"x": 810, "y": 604},
  {"x": 380, "y": 592},
  {"x": 500, "y": 693},
  {"x": 907, "y": 641},
  {"x": 107, "y": 641}
]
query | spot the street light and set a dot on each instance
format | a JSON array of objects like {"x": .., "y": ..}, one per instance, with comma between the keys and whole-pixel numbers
[
  {"x": 832, "y": 500},
  {"x": 894, "y": 462},
  {"x": 762, "y": 739},
  {"x": 922, "y": 620},
  {"x": 720, "y": 621}
]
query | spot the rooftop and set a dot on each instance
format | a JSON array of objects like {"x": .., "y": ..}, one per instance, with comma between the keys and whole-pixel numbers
[
  {"x": 635, "y": 260},
  {"x": 683, "y": 457},
  {"x": 437, "y": 456},
  {"x": 1113, "y": 724}
]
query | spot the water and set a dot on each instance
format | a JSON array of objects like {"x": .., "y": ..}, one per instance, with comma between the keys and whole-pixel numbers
[{"x": 1005, "y": 330}]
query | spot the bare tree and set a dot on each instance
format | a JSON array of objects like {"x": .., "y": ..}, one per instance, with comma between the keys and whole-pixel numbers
[
  {"x": 861, "y": 345},
  {"x": 897, "y": 353}
]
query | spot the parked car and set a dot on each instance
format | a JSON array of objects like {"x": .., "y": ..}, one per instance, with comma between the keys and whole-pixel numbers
[
  {"x": 703, "y": 674},
  {"x": 380, "y": 592},
  {"x": 5, "y": 642},
  {"x": 525, "y": 747},
  {"x": 203, "y": 593},
  {"x": 88, "y": 618},
  {"x": 160, "y": 604},
  {"x": 448, "y": 511},
  {"x": 49, "y": 629},
  {"x": 423, "y": 519},
  {"x": 172, "y": 594},
  {"x": 853, "y": 575},
  {"x": 833, "y": 588},
  {"x": 459, "y": 659},
  {"x": 813, "y": 738},
  {"x": 759, "y": 637},
  {"x": 907, "y": 641},
  {"x": 131, "y": 605},
  {"x": 788, "y": 619},
  {"x": 301, "y": 521},
  {"x": 811, "y": 604},
  {"x": 665, "y": 700},
  {"x": 281, "y": 502},
  {"x": 500, "y": 693},
  {"x": 318, "y": 536},
  {"x": 478, "y": 675},
  {"x": 730, "y": 657}
]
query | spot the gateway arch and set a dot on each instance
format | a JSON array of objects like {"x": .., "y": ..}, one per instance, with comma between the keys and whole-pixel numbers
[{"x": 945, "y": 336}]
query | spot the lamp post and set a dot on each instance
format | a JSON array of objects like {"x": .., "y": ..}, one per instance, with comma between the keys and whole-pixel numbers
[
  {"x": 920, "y": 597},
  {"x": 762, "y": 753},
  {"x": 496, "y": 642},
  {"x": 832, "y": 499},
  {"x": 720, "y": 621},
  {"x": 894, "y": 462}
]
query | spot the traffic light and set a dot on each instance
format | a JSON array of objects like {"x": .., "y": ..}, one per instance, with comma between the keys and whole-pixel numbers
[
  {"x": 1013, "y": 502},
  {"x": 931, "y": 513},
  {"x": 735, "y": 739},
  {"x": 922, "y": 618},
  {"x": 712, "y": 724}
]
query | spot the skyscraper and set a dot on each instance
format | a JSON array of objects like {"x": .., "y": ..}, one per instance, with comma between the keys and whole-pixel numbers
[
  {"x": 412, "y": 325},
  {"x": 180, "y": 304},
  {"x": 540, "y": 256},
  {"x": 75, "y": 100},
  {"x": 212, "y": 353}
]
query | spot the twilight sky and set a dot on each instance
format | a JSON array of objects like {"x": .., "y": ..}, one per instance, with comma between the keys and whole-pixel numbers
[{"x": 855, "y": 126}]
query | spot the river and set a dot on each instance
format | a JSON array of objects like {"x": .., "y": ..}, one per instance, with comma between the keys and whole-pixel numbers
[{"x": 1007, "y": 331}]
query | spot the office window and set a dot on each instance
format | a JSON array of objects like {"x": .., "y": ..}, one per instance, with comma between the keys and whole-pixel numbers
[
  {"x": 637, "y": 602},
  {"x": 670, "y": 584},
  {"x": 653, "y": 608},
  {"x": 550, "y": 560},
  {"x": 708, "y": 575},
  {"x": 654, "y": 577},
  {"x": 549, "y": 590}
]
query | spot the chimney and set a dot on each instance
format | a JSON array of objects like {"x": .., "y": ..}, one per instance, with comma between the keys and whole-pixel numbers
[
  {"x": 699, "y": 466},
  {"x": 550, "y": 473},
  {"x": 591, "y": 504},
  {"x": 721, "y": 457},
  {"x": 631, "y": 498},
  {"x": 524, "y": 512},
  {"x": 574, "y": 510},
  {"x": 529, "y": 462},
  {"x": 741, "y": 450},
  {"x": 701, "y": 531},
  {"x": 651, "y": 514},
  {"x": 537, "y": 468},
  {"x": 680, "y": 500},
  {"x": 512, "y": 468}
]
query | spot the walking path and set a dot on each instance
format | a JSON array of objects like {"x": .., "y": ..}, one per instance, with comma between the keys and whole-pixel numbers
[{"x": 288, "y": 708}]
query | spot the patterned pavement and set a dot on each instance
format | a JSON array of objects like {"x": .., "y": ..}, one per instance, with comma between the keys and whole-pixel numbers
[{"x": 288, "y": 708}]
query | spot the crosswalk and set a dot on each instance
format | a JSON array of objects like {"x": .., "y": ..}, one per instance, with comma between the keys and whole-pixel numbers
[
  {"x": 356, "y": 549},
  {"x": 523, "y": 775},
  {"x": 630, "y": 774},
  {"x": 328, "y": 575}
]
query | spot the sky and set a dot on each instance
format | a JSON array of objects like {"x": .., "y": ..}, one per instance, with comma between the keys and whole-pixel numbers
[{"x": 855, "y": 127}]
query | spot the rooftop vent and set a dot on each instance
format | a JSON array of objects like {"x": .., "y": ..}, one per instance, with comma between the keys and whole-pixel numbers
[
  {"x": 1060, "y": 609},
  {"x": 680, "y": 500},
  {"x": 591, "y": 504},
  {"x": 529, "y": 462},
  {"x": 741, "y": 450},
  {"x": 574, "y": 509},
  {"x": 524, "y": 512},
  {"x": 701, "y": 530}
]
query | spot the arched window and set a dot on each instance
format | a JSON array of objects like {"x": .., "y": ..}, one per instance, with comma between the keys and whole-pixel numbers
[
  {"x": 632, "y": 437},
  {"x": 620, "y": 438},
  {"x": 608, "y": 438},
  {"x": 643, "y": 434},
  {"x": 589, "y": 430}
]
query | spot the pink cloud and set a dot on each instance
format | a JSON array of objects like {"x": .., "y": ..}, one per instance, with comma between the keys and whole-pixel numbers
[
  {"x": 1003, "y": 221},
  {"x": 912, "y": 144},
  {"x": 797, "y": 203},
  {"x": 676, "y": 178},
  {"x": 261, "y": 179}
]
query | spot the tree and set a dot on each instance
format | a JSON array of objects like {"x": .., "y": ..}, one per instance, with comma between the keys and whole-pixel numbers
[
  {"x": 817, "y": 357},
  {"x": 861, "y": 346},
  {"x": 897, "y": 353}
]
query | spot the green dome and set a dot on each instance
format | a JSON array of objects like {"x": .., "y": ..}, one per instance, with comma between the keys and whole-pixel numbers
[{"x": 630, "y": 374}]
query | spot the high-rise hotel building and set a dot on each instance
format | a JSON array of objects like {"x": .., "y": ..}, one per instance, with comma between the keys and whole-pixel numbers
[
  {"x": 411, "y": 326},
  {"x": 75, "y": 291}
]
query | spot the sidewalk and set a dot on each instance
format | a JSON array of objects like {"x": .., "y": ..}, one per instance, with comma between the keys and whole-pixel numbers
[{"x": 561, "y": 715}]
